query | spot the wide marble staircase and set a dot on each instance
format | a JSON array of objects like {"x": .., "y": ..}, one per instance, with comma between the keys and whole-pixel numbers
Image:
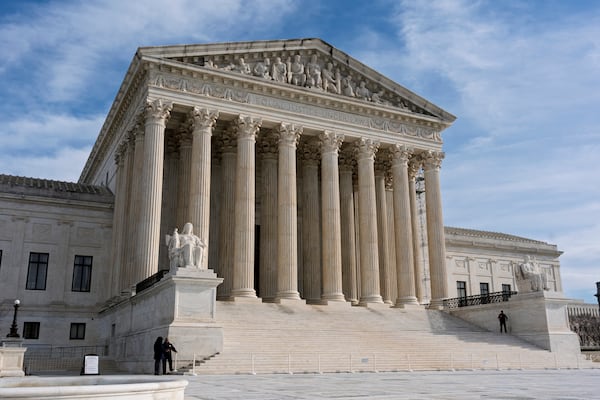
[{"x": 299, "y": 338}]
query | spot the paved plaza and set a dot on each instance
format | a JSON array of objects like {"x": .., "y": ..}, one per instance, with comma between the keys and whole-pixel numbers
[{"x": 464, "y": 385}]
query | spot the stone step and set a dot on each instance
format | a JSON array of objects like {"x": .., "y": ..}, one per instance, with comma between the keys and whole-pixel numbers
[{"x": 299, "y": 338}]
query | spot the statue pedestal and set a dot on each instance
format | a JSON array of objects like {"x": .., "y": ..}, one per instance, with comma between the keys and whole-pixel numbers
[
  {"x": 181, "y": 306},
  {"x": 11, "y": 357},
  {"x": 539, "y": 318}
]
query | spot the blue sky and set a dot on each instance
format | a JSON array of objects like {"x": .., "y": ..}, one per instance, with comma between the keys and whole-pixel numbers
[{"x": 522, "y": 77}]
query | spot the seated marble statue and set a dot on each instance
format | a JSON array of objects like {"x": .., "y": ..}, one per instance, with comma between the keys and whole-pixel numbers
[
  {"x": 186, "y": 250},
  {"x": 296, "y": 75},
  {"x": 279, "y": 70},
  {"x": 530, "y": 278}
]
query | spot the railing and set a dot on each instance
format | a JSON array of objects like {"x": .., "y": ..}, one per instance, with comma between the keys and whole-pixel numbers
[
  {"x": 49, "y": 358},
  {"x": 150, "y": 281},
  {"x": 495, "y": 297}
]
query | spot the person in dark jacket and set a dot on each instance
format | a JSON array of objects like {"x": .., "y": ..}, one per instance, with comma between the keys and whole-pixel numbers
[
  {"x": 158, "y": 354},
  {"x": 502, "y": 318},
  {"x": 168, "y": 350}
]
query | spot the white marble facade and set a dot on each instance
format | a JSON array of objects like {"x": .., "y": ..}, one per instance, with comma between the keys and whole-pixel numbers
[{"x": 307, "y": 175}]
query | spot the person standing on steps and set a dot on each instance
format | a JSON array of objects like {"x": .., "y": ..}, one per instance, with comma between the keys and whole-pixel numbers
[
  {"x": 168, "y": 350},
  {"x": 158, "y": 354},
  {"x": 502, "y": 318}
]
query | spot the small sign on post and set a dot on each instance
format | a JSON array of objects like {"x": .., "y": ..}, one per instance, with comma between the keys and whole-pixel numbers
[{"x": 90, "y": 365}]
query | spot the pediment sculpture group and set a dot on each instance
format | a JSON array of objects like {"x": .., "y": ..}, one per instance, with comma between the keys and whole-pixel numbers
[{"x": 311, "y": 74}]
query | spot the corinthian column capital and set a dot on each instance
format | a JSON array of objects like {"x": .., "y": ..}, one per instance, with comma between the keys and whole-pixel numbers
[
  {"x": 401, "y": 154},
  {"x": 247, "y": 127},
  {"x": 414, "y": 165},
  {"x": 331, "y": 141},
  {"x": 433, "y": 159},
  {"x": 289, "y": 134},
  {"x": 366, "y": 148},
  {"x": 158, "y": 110},
  {"x": 203, "y": 119}
]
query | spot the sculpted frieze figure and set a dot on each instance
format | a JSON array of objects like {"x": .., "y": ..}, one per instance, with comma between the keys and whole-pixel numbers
[
  {"x": 186, "y": 250},
  {"x": 331, "y": 79},
  {"x": 296, "y": 75},
  {"x": 362, "y": 92},
  {"x": 530, "y": 278},
  {"x": 313, "y": 73},
  {"x": 261, "y": 69},
  {"x": 279, "y": 70},
  {"x": 347, "y": 86}
]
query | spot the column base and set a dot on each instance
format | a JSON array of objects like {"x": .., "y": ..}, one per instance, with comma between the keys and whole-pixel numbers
[
  {"x": 244, "y": 300},
  {"x": 290, "y": 302},
  {"x": 370, "y": 299},
  {"x": 250, "y": 293},
  {"x": 406, "y": 302},
  {"x": 436, "y": 304},
  {"x": 333, "y": 297},
  {"x": 290, "y": 295}
]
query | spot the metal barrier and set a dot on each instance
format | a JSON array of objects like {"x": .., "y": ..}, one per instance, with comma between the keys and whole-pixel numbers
[
  {"x": 150, "y": 281},
  {"x": 495, "y": 297}
]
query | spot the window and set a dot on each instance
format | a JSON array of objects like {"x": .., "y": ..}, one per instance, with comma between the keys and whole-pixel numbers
[
  {"x": 31, "y": 330},
  {"x": 461, "y": 291},
  {"x": 484, "y": 290},
  {"x": 461, "y": 288},
  {"x": 506, "y": 288},
  {"x": 82, "y": 274},
  {"x": 0, "y": 258},
  {"x": 77, "y": 331},
  {"x": 36, "y": 273}
]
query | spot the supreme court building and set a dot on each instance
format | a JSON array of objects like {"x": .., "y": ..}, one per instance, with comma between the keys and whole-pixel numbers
[{"x": 310, "y": 178}]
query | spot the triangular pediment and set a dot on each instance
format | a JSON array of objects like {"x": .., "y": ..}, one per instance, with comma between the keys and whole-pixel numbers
[{"x": 310, "y": 64}]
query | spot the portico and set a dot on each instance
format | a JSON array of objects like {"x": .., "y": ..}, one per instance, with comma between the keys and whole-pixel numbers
[{"x": 285, "y": 183}]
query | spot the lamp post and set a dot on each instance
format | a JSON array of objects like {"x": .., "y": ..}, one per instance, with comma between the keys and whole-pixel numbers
[
  {"x": 598, "y": 293},
  {"x": 13, "y": 328}
]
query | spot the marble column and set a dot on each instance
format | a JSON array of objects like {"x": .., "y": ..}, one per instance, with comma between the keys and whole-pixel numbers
[
  {"x": 435, "y": 229},
  {"x": 203, "y": 122},
  {"x": 367, "y": 205},
  {"x": 385, "y": 267},
  {"x": 311, "y": 220},
  {"x": 331, "y": 223},
  {"x": 403, "y": 227},
  {"x": 413, "y": 169},
  {"x": 157, "y": 113},
  {"x": 391, "y": 243},
  {"x": 126, "y": 251},
  {"x": 118, "y": 215},
  {"x": 228, "y": 143},
  {"x": 132, "y": 267},
  {"x": 268, "y": 217},
  {"x": 185, "y": 163},
  {"x": 169, "y": 208},
  {"x": 348, "y": 238},
  {"x": 287, "y": 214},
  {"x": 245, "y": 198}
]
